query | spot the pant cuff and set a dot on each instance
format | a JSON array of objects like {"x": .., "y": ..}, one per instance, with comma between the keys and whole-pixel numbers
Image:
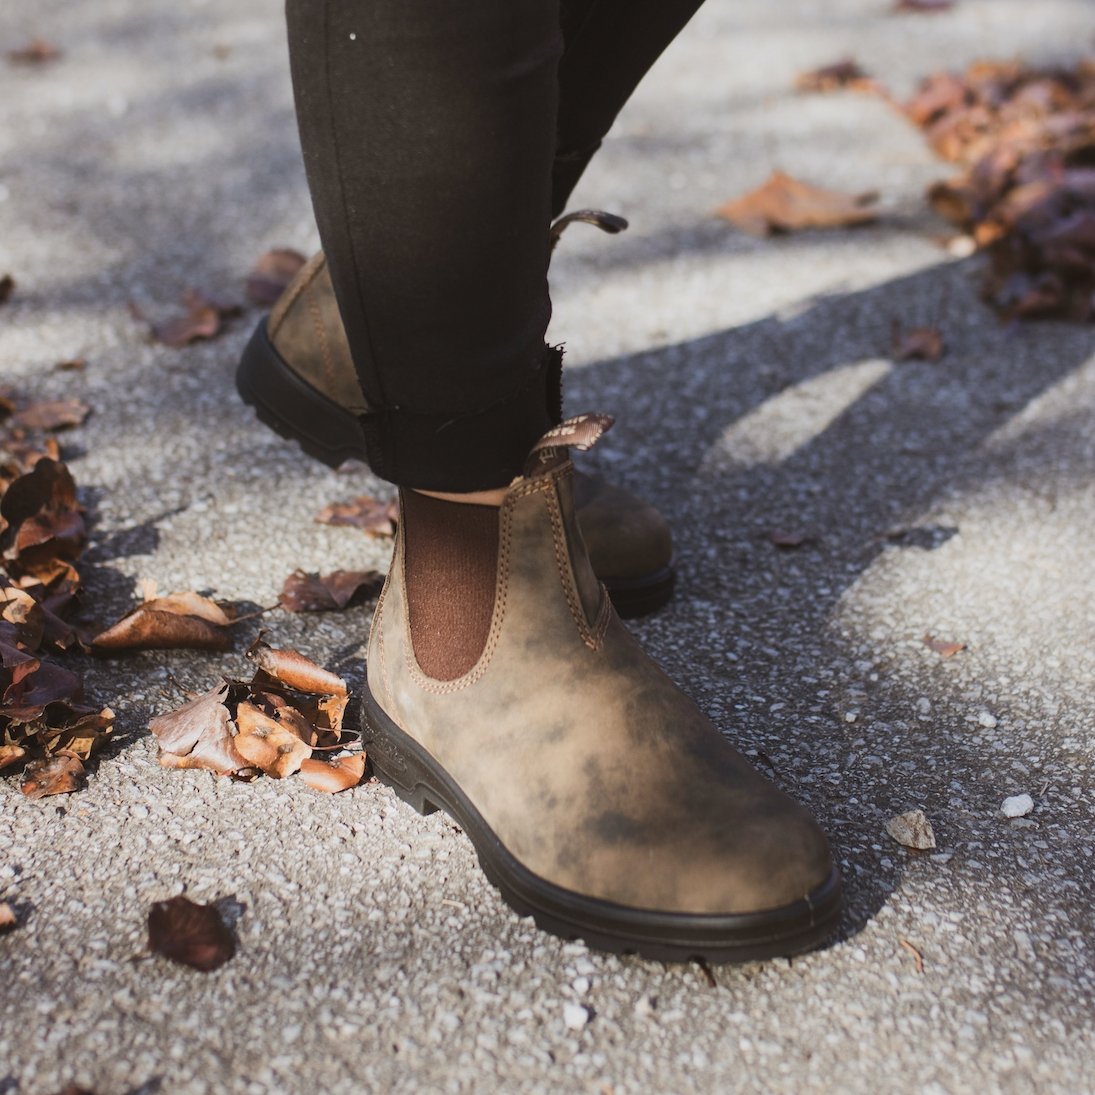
[{"x": 480, "y": 450}]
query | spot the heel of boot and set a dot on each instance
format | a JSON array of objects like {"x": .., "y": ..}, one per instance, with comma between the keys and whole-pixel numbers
[
  {"x": 290, "y": 405},
  {"x": 394, "y": 764}
]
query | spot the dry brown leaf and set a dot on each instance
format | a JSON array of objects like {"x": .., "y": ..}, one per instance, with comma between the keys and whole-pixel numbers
[
  {"x": 788, "y": 539},
  {"x": 271, "y": 275},
  {"x": 200, "y": 733},
  {"x": 203, "y": 319},
  {"x": 11, "y": 754},
  {"x": 191, "y": 934},
  {"x": 57, "y": 775},
  {"x": 8, "y": 920},
  {"x": 374, "y": 516},
  {"x": 784, "y": 204},
  {"x": 177, "y": 621},
  {"x": 57, "y": 414},
  {"x": 45, "y": 526},
  {"x": 27, "y": 697},
  {"x": 269, "y": 744},
  {"x": 942, "y": 647},
  {"x": 71, "y": 365},
  {"x": 917, "y": 343},
  {"x": 295, "y": 670},
  {"x": 36, "y": 52},
  {"x": 923, "y": 6},
  {"x": 841, "y": 74},
  {"x": 333, "y": 776},
  {"x": 303, "y": 592}
]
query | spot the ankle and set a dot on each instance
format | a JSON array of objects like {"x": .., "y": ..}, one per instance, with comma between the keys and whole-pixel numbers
[
  {"x": 475, "y": 498},
  {"x": 450, "y": 560}
]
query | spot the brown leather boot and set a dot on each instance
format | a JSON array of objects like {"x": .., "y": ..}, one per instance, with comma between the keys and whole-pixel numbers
[
  {"x": 298, "y": 375},
  {"x": 600, "y": 800}
]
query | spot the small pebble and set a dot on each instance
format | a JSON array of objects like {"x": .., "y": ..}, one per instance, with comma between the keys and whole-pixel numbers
[
  {"x": 1017, "y": 806},
  {"x": 987, "y": 720},
  {"x": 575, "y": 1016}
]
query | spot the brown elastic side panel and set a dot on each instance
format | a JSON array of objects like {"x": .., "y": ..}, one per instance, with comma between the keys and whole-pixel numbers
[{"x": 450, "y": 559}]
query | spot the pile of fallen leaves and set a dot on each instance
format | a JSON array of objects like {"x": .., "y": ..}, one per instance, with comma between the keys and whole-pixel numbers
[
  {"x": 44, "y": 722},
  {"x": 272, "y": 724},
  {"x": 1026, "y": 139}
]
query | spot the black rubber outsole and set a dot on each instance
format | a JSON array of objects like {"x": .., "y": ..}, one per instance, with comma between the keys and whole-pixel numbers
[
  {"x": 398, "y": 761},
  {"x": 331, "y": 434}
]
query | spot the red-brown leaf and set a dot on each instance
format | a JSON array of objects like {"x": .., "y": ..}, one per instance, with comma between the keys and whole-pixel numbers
[
  {"x": 374, "y": 516},
  {"x": 202, "y": 319},
  {"x": 271, "y": 275},
  {"x": 942, "y": 647},
  {"x": 36, "y": 52},
  {"x": 295, "y": 670},
  {"x": 841, "y": 74},
  {"x": 177, "y": 621},
  {"x": 304, "y": 592},
  {"x": 917, "y": 343},
  {"x": 923, "y": 6},
  {"x": 191, "y": 934},
  {"x": 273, "y": 745},
  {"x": 789, "y": 539},
  {"x": 784, "y": 204},
  {"x": 57, "y": 414},
  {"x": 57, "y": 775},
  {"x": 199, "y": 734},
  {"x": 333, "y": 776}
]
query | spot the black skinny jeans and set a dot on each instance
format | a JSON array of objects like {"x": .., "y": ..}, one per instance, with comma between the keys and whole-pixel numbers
[{"x": 440, "y": 137}]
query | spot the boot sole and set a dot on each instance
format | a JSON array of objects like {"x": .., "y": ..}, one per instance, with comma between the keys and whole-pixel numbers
[
  {"x": 416, "y": 777},
  {"x": 291, "y": 407}
]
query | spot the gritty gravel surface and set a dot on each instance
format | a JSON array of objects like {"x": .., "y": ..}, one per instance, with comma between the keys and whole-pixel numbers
[{"x": 755, "y": 391}]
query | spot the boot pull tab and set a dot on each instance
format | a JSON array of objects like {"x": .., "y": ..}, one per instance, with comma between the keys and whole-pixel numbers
[
  {"x": 606, "y": 222},
  {"x": 581, "y": 432}
]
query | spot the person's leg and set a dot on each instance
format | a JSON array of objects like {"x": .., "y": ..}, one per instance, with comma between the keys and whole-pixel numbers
[
  {"x": 428, "y": 135},
  {"x": 609, "y": 46},
  {"x": 501, "y": 686}
]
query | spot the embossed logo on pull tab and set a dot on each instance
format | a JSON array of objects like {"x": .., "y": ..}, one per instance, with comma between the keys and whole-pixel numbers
[{"x": 581, "y": 432}]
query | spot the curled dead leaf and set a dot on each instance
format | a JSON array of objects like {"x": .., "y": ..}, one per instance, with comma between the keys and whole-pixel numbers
[
  {"x": 333, "y": 776},
  {"x": 374, "y": 516},
  {"x": 942, "y": 647},
  {"x": 271, "y": 744},
  {"x": 57, "y": 414},
  {"x": 200, "y": 733},
  {"x": 917, "y": 343},
  {"x": 784, "y": 204},
  {"x": 177, "y": 621},
  {"x": 303, "y": 592},
  {"x": 36, "y": 52},
  {"x": 202, "y": 319},
  {"x": 45, "y": 527},
  {"x": 57, "y": 775},
  {"x": 789, "y": 539},
  {"x": 923, "y": 6},
  {"x": 271, "y": 275},
  {"x": 191, "y": 934},
  {"x": 11, "y": 754},
  {"x": 295, "y": 670},
  {"x": 846, "y": 73}
]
